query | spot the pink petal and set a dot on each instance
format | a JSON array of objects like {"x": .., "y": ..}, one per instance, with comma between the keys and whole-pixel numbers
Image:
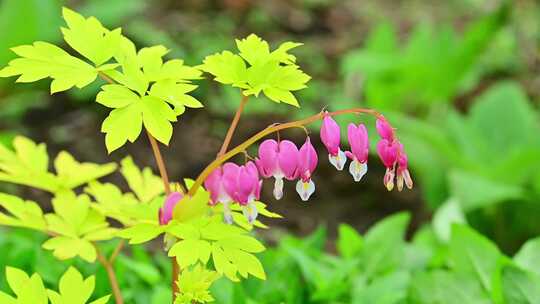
[
  {"x": 384, "y": 129},
  {"x": 230, "y": 178},
  {"x": 359, "y": 141},
  {"x": 166, "y": 212},
  {"x": 330, "y": 135},
  {"x": 213, "y": 185},
  {"x": 268, "y": 157},
  {"x": 388, "y": 152},
  {"x": 307, "y": 160},
  {"x": 288, "y": 159}
]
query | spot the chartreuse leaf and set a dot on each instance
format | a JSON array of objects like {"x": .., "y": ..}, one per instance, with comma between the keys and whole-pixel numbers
[
  {"x": 71, "y": 173},
  {"x": 41, "y": 60},
  {"x": 74, "y": 289},
  {"x": 194, "y": 285},
  {"x": 123, "y": 207},
  {"x": 230, "y": 247},
  {"x": 192, "y": 207},
  {"x": 256, "y": 69},
  {"x": 26, "y": 214},
  {"x": 142, "y": 233},
  {"x": 28, "y": 290},
  {"x": 28, "y": 165},
  {"x": 75, "y": 225},
  {"x": 240, "y": 220},
  {"x": 144, "y": 183},
  {"x": 88, "y": 37}
]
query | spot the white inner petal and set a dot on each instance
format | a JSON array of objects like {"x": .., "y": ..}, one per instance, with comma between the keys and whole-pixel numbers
[
  {"x": 227, "y": 214},
  {"x": 250, "y": 212},
  {"x": 278, "y": 188},
  {"x": 305, "y": 190},
  {"x": 357, "y": 170},
  {"x": 339, "y": 160}
]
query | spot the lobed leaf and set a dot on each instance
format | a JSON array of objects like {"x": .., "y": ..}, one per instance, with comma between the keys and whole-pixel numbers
[
  {"x": 41, "y": 60},
  {"x": 88, "y": 37},
  {"x": 255, "y": 69}
]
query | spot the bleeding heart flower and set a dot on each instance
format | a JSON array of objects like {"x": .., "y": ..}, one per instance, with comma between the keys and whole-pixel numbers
[
  {"x": 166, "y": 212},
  {"x": 242, "y": 184},
  {"x": 307, "y": 163},
  {"x": 388, "y": 153},
  {"x": 331, "y": 138},
  {"x": 279, "y": 160},
  {"x": 214, "y": 184},
  {"x": 359, "y": 142},
  {"x": 384, "y": 129}
]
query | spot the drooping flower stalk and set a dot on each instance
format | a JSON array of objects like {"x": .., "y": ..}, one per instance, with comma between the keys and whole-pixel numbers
[{"x": 269, "y": 130}]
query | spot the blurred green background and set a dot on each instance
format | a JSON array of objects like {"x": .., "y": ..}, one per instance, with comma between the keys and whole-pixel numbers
[{"x": 460, "y": 80}]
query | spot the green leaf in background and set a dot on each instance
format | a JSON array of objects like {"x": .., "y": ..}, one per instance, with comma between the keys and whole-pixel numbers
[
  {"x": 486, "y": 191},
  {"x": 387, "y": 289},
  {"x": 383, "y": 245},
  {"x": 432, "y": 67},
  {"x": 32, "y": 19},
  {"x": 448, "y": 214},
  {"x": 444, "y": 287},
  {"x": 350, "y": 242},
  {"x": 473, "y": 254},
  {"x": 520, "y": 286},
  {"x": 528, "y": 257}
]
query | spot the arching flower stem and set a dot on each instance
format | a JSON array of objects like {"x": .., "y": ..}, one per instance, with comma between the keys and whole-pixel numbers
[{"x": 269, "y": 130}]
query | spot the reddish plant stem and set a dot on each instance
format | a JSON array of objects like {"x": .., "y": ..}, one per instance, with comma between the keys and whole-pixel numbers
[
  {"x": 165, "y": 178},
  {"x": 233, "y": 126},
  {"x": 166, "y": 184},
  {"x": 160, "y": 163},
  {"x": 112, "y": 277},
  {"x": 116, "y": 251},
  {"x": 269, "y": 130}
]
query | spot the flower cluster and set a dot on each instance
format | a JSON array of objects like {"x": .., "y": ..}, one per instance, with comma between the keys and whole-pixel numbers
[
  {"x": 282, "y": 159},
  {"x": 393, "y": 157}
]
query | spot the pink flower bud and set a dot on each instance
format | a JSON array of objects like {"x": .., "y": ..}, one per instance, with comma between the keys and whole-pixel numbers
[
  {"x": 331, "y": 138},
  {"x": 388, "y": 152},
  {"x": 384, "y": 129},
  {"x": 359, "y": 142},
  {"x": 306, "y": 165},
  {"x": 279, "y": 160},
  {"x": 166, "y": 212},
  {"x": 403, "y": 174}
]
